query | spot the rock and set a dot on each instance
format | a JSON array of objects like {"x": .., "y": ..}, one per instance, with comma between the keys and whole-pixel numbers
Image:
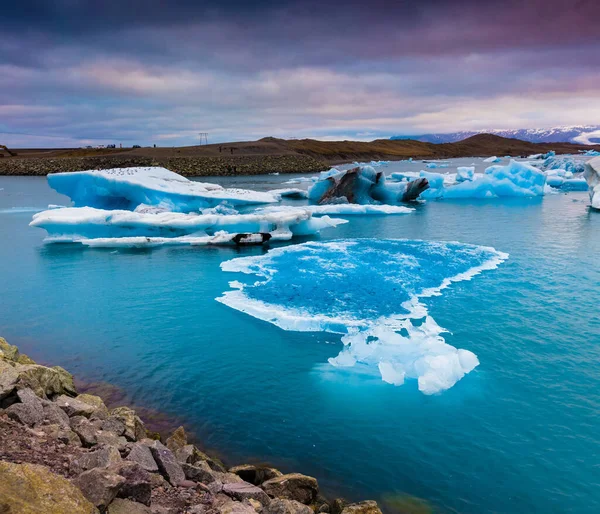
[
  {"x": 100, "y": 486},
  {"x": 9, "y": 377},
  {"x": 134, "y": 428},
  {"x": 141, "y": 454},
  {"x": 167, "y": 463},
  {"x": 86, "y": 431},
  {"x": 192, "y": 455},
  {"x": 255, "y": 474},
  {"x": 27, "y": 396},
  {"x": 338, "y": 505},
  {"x": 31, "y": 489},
  {"x": 321, "y": 504},
  {"x": 8, "y": 351},
  {"x": 27, "y": 414},
  {"x": 74, "y": 406},
  {"x": 111, "y": 439},
  {"x": 120, "y": 506},
  {"x": 283, "y": 506},
  {"x": 65, "y": 435},
  {"x": 227, "y": 478},
  {"x": 138, "y": 482},
  {"x": 113, "y": 425},
  {"x": 54, "y": 415},
  {"x": 45, "y": 381},
  {"x": 23, "y": 359},
  {"x": 245, "y": 491},
  {"x": 293, "y": 486},
  {"x": 94, "y": 401},
  {"x": 198, "y": 509},
  {"x": 232, "y": 507},
  {"x": 99, "y": 458},
  {"x": 200, "y": 472},
  {"x": 366, "y": 507},
  {"x": 178, "y": 440}
]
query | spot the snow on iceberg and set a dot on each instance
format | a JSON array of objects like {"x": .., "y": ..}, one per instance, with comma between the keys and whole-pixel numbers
[
  {"x": 514, "y": 179},
  {"x": 592, "y": 176},
  {"x": 75, "y": 224},
  {"x": 126, "y": 188},
  {"x": 363, "y": 185},
  {"x": 372, "y": 292}
]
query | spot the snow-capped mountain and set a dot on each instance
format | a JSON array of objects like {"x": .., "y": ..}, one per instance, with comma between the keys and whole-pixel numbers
[{"x": 582, "y": 134}]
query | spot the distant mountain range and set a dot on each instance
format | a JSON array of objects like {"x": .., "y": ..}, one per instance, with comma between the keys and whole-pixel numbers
[{"x": 581, "y": 134}]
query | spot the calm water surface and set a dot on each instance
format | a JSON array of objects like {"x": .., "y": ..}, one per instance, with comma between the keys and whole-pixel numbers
[{"x": 519, "y": 434}]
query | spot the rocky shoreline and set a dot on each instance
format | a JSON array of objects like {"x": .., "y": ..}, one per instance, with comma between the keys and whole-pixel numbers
[
  {"x": 64, "y": 452},
  {"x": 186, "y": 166}
]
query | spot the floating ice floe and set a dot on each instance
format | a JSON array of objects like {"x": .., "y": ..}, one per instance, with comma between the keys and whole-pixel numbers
[
  {"x": 592, "y": 153},
  {"x": 75, "y": 224},
  {"x": 592, "y": 176},
  {"x": 514, "y": 179},
  {"x": 363, "y": 185},
  {"x": 492, "y": 159},
  {"x": 433, "y": 165},
  {"x": 373, "y": 293},
  {"x": 126, "y": 188}
]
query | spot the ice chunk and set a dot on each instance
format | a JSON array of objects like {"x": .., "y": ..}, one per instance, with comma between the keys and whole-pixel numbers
[
  {"x": 371, "y": 291},
  {"x": 74, "y": 224},
  {"x": 563, "y": 162},
  {"x": 290, "y": 192},
  {"x": 126, "y": 188},
  {"x": 514, "y": 179},
  {"x": 592, "y": 153},
  {"x": 592, "y": 176},
  {"x": 364, "y": 185},
  {"x": 435, "y": 180},
  {"x": 465, "y": 173},
  {"x": 492, "y": 159}
]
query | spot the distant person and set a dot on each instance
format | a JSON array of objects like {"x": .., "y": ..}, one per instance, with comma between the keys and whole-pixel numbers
[{"x": 154, "y": 145}]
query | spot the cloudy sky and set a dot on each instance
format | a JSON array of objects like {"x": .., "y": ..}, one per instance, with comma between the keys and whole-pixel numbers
[{"x": 155, "y": 71}]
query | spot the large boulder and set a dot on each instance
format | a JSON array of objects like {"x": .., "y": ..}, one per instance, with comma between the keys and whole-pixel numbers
[
  {"x": 100, "y": 486},
  {"x": 54, "y": 415},
  {"x": 365, "y": 507},
  {"x": 192, "y": 455},
  {"x": 31, "y": 489},
  {"x": 140, "y": 453},
  {"x": 26, "y": 414},
  {"x": 9, "y": 378},
  {"x": 178, "y": 440},
  {"x": 283, "y": 506},
  {"x": 199, "y": 472},
  {"x": 74, "y": 406},
  {"x": 96, "y": 402},
  {"x": 168, "y": 465},
  {"x": 8, "y": 351},
  {"x": 46, "y": 382},
  {"x": 85, "y": 429},
  {"x": 293, "y": 486},
  {"x": 255, "y": 474}
]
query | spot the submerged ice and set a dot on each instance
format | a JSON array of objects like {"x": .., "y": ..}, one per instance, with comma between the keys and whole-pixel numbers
[{"x": 371, "y": 291}]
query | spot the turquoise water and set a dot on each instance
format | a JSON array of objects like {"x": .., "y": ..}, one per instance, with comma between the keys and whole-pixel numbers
[{"x": 520, "y": 433}]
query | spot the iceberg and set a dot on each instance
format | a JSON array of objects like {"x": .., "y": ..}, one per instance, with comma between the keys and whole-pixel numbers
[
  {"x": 592, "y": 177},
  {"x": 433, "y": 165},
  {"x": 373, "y": 293},
  {"x": 592, "y": 153},
  {"x": 566, "y": 163},
  {"x": 465, "y": 173},
  {"x": 363, "y": 185},
  {"x": 514, "y": 179},
  {"x": 492, "y": 159},
  {"x": 77, "y": 224},
  {"x": 126, "y": 188},
  {"x": 341, "y": 209}
]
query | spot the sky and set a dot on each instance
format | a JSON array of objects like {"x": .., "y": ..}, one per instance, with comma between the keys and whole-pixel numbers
[{"x": 159, "y": 72}]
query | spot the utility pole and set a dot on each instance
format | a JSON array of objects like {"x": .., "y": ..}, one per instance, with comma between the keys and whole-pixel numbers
[{"x": 203, "y": 138}]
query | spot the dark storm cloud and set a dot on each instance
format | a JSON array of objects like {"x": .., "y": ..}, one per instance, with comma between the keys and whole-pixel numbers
[{"x": 158, "y": 69}]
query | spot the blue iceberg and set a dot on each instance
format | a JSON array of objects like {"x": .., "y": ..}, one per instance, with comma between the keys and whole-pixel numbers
[
  {"x": 370, "y": 291},
  {"x": 563, "y": 162}
]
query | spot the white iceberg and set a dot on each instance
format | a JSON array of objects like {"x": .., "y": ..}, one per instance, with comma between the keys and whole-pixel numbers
[
  {"x": 592, "y": 177},
  {"x": 592, "y": 153},
  {"x": 371, "y": 291},
  {"x": 341, "y": 209},
  {"x": 75, "y": 224},
  {"x": 126, "y": 188},
  {"x": 492, "y": 159}
]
